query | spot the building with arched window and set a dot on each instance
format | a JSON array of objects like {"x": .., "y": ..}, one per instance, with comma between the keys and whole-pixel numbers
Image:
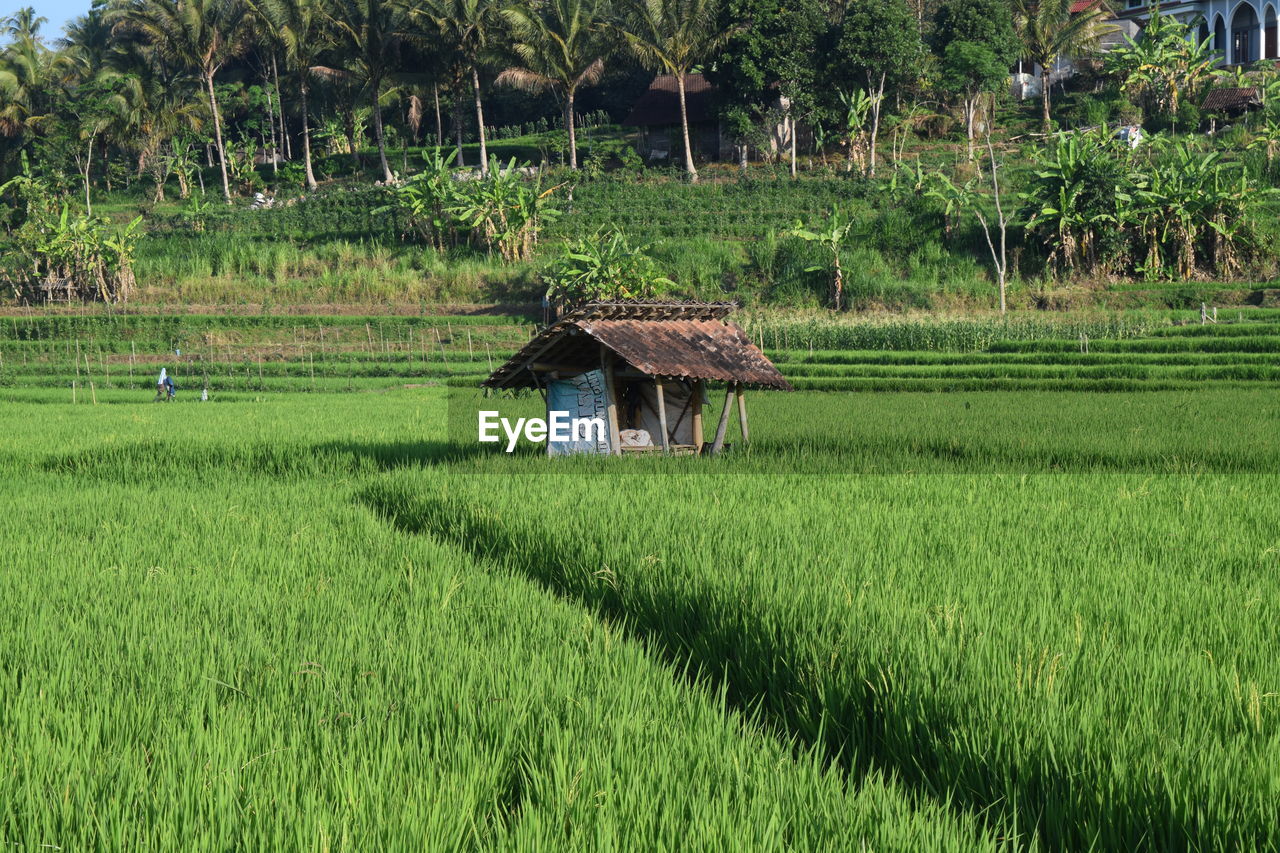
[{"x": 1242, "y": 31}]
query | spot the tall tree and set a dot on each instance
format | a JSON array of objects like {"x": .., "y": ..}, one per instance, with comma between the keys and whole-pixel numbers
[
  {"x": 1048, "y": 30},
  {"x": 877, "y": 45},
  {"x": 370, "y": 35},
  {"x": 200, "y": 34},
  {"x": 674, "y": 36},
  {"x": 561, "y": 47},
  {"x": 26, "y": 76},
  {"x": 469, "y": 25},
  {"x": 301, "y": 26},
  {"x": 975, "y": 41},
  {"x": 769, "y": 59}
]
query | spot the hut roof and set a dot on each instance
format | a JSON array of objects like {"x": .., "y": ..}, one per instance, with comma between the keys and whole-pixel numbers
[
  {"x": 683, "y": 340},
  {"x": 1232, "y": 100},
  {"x": 660, "y": 104}
]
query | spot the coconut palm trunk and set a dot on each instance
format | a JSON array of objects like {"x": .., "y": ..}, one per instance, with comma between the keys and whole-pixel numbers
[
  {"x": 377, "y": 132},
  {"x": 684, "y": 128},
  {"x": 570, "y": 123},
  {"x": 484, "y": 151},
  {"x": 435, "y": 94},
  {"x": 457, "y": 127},
  {"x": 306, "y": 138},
  {"x": 1046, "y": 94},
  {"x": 217, "y": 136}
]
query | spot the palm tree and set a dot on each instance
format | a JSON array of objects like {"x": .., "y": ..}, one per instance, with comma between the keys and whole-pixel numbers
[
  {"x": 1048, "y": 31},
  {"x": 561, "y": 46},
  {"x": 467, "y": 24},
  {"x": 154, "y": 101},
  {"x": 370, "y": 34},
  {"x": 674, "y": 36},
  {"x": 199, "y": 34},
  {"x": 301, "y": 27},
  {"x": 86, "y": 45},
  {"x": 26, "y": 77},
  {"x": 24, "y": 24}
]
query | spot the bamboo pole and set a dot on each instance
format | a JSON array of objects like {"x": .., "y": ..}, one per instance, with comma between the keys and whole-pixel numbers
[
  {"x": 611, "y": 404},
  {"x": 742, "y": 414},
  {"x": 662, "y": 415},
  {"x": 696, "y": 404},
  {"x": 443, "y": 357},
  {"x": 723, "y": 426}
]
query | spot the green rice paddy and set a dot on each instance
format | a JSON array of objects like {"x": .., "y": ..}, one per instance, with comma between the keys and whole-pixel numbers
[{"x": 1034, "y": 618}]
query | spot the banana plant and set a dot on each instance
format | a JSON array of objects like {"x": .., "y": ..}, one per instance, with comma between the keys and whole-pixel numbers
[
  {"x": 832, "y": 236},
  {"x": 858, "y": 106}
]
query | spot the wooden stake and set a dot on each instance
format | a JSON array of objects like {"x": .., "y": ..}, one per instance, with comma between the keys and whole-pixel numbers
[
  {"x": 662, "y": 415},
  {"x": 471, "y": 353},
  {"x": 742, "y": 414},
  {"x": 488, "y": 355},
  {"x": 443, "y": 357},
  {"x": 93, "y": 392},
  {"x": 722, "y": 428}
]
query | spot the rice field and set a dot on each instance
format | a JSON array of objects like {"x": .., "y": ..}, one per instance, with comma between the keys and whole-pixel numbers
[
  {"x": 1036, "y": 618},
  {"x": 244, "y": 355}
]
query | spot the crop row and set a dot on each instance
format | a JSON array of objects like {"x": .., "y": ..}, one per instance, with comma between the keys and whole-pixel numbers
[
  {"x": 956, "y": 637},
  {"x": 220, "y": 649},
  {"x": 169, "y": 327},
  {"x": 1241, "y": 343}
]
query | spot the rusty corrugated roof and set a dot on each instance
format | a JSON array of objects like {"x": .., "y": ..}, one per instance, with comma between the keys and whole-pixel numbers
[
  {"x": 1232, "y": 100},
  {"x": 676, "y": 340}
]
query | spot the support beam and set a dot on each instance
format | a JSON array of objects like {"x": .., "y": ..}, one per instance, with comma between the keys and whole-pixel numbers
[
  {"x": 696, "y": 405},
  {"x": 606, "y": 367},
  {"x": 722, "y": 428},
  {"x": 662, "y": 415},
  {"x": 742, "y": 415}
]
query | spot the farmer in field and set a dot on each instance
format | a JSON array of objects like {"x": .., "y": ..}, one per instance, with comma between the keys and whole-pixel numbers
[{"x": 165, "y": 389}]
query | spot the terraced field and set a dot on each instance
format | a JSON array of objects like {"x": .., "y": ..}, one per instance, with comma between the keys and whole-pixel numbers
[{"x": 271, "y": 354}]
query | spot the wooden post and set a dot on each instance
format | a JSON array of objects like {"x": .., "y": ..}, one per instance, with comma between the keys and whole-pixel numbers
[
  {"x": 696, "y": 403},
  {"x": 662, "y": 415},
  {"x": 440, "y": 341},
  {"x": 606, "y": 367},
  {"x": 742, "y": 414},
  {"x": 718, "y": 444}
]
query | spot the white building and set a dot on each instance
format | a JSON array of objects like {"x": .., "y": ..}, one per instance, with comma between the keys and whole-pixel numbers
[{"x": 1243, "y": 31}]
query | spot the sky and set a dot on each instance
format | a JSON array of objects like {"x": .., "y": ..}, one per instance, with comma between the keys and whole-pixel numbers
[{"x": 57, "y": 11}]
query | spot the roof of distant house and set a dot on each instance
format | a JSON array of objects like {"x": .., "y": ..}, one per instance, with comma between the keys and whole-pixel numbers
[
  {"x": 1232, "y": 100},
  {"x": 660, "y": 104}
]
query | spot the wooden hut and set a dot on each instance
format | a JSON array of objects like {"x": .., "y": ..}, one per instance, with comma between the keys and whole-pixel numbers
[{"x": 642, "y": 368}]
